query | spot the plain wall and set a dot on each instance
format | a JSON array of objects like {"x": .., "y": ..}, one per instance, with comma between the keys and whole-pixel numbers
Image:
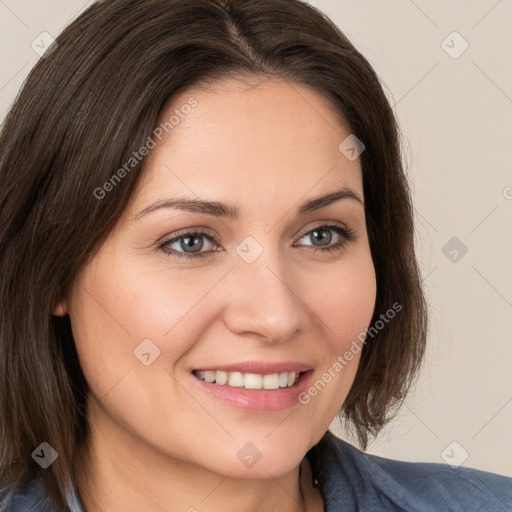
[{"x": 455, "y": 112}]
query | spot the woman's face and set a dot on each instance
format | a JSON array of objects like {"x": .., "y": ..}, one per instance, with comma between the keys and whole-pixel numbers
[{"x": 253, "y": 290}]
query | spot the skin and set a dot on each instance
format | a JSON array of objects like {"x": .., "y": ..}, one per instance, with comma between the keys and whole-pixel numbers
[{"x": 158, "y": 442}]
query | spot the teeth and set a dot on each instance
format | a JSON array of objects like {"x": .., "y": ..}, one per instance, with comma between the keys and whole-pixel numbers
[
  {"x": 253, "y": 381},
  {"x": 235, "y": 379},
  {"x": 249, "y": 380},
  {"x": 209, "y": 376},
  {"x": 221, "y": 377},
  {"x": 271, "y": 381}
]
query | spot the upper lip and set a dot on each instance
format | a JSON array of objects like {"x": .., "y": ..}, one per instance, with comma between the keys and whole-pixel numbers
[{"x": 260, "y": 367}]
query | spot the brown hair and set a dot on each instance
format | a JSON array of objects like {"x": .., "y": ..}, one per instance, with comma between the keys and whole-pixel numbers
[{"x": 83, "y": 111}]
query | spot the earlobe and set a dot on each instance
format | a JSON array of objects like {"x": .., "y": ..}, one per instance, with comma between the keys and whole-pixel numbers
[{"x": 61, "y": 308}]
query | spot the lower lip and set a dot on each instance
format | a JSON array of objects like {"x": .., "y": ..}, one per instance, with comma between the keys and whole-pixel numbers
[{"x": 259, "y": 400}]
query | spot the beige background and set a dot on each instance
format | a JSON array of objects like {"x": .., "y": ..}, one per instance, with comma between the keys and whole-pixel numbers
[{"x": 455, "y": 114}]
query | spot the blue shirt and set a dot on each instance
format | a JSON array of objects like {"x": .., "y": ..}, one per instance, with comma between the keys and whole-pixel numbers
[{"x": 353, "y": 481}]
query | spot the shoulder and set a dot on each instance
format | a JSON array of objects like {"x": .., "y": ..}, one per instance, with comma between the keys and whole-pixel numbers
[
  {"x": 31, "y": 497},
  {"x": 377, "y": 483},
  {"x": 28, "y": 498}
]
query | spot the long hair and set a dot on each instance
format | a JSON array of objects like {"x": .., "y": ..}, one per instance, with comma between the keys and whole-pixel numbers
[{"x": 85, "y": 108}]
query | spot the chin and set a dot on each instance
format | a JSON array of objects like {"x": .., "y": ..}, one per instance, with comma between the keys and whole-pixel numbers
[{"x": 259, "y": 457}]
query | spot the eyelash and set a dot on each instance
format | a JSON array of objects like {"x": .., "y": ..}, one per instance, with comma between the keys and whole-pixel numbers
[{"x": 347, "y": 235}]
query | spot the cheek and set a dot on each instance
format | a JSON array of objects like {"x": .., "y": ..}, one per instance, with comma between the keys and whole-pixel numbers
[
  {"x": 117, "y": 308},
  {"x": 344, "y": 299}
]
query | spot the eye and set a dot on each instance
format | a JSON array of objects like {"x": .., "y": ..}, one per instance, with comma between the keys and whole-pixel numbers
[
  {"x": 323, "y": 235},
  {"x": 191, "y": 244}
]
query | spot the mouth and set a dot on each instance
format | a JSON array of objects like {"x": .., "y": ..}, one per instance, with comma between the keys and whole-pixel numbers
[
  {"x": 256, "y": 386},
  {"x": 250, "y": 381}
]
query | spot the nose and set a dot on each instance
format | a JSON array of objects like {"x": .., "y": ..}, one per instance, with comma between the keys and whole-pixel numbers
[{"x": 262, "y": 300}]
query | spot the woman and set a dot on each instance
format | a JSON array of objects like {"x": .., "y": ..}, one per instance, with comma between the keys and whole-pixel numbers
[{"x": 207, "y": 253}]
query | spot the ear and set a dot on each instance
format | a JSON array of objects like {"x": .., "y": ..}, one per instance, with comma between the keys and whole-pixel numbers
[{"x": 61, "y": 308}]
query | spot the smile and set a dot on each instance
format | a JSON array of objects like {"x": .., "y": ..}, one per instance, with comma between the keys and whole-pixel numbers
[{"x": 249, "y": 380}]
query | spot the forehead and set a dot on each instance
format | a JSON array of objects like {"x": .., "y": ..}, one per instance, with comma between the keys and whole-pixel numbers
[{"x": 249, "y": 139}]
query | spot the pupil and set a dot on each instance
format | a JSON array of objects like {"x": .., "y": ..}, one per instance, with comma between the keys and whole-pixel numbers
[
  {"x": 196, "y": 243},
  {"x": 324, "y": 240}
]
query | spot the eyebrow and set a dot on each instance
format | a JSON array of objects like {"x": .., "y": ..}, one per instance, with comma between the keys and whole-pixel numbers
[{"x": 217, "y": 209}]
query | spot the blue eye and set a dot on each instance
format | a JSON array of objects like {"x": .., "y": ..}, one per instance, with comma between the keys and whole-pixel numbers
[
  {"x": 192, "y": 240},
  {"x": 345, "y": 235},
  {"x": 190, "y": 244}
]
